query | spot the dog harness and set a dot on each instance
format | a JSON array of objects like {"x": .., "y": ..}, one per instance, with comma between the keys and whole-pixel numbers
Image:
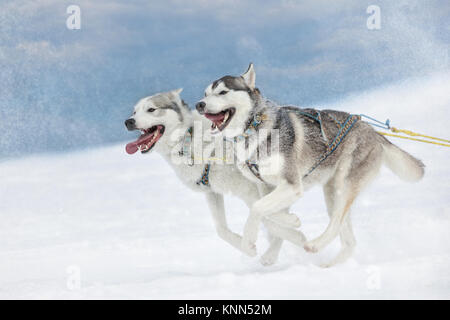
[
  {"x": 204, "y": 180},
  {"x": 186, "y": 147},
  {"x": 254, "y": 168},
  {"x": 186, "y": 150},
  {"x": 344, "y": 129}
]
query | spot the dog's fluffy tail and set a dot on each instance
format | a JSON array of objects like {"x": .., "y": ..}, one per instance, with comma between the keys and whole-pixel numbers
[{"x": 404, "y": 165}]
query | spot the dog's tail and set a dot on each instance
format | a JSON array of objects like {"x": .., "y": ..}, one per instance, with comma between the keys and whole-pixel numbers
[{"x": 404, "y": 165}]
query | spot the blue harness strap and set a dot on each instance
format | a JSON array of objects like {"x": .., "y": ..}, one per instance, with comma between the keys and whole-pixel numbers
[
  {"x": 204, "y": 180},
  {"x": 316, "y": 117},
  {"x": 186, "y": 151},
  {"x": 254, "y": 168},
  {"x": 377, "y": 123},
  {"x": 343, "y": 130}
]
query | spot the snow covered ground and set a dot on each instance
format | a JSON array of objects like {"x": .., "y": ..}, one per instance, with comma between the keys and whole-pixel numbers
[{"x": 127, "y": 228}]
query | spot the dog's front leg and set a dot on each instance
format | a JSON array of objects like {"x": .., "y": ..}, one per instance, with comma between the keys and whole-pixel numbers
[
  {"x": 217, "y": 208},
  {"x": 283, "y": 218},
  {"x": 282, "y": 197}
]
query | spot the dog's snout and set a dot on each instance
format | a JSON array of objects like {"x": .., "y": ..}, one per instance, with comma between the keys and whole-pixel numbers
[
  {"x": 200, "y": 107},
  {"x": 130, "y": 124}
]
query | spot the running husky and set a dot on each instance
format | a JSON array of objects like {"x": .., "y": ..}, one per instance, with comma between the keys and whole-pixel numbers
[
  {"x": 330, "y": 148},
  {"x": 171, "y": 128}
]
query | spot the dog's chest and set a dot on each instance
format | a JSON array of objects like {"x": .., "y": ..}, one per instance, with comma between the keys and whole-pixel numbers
[
  {"x": 225, "y": 179},
  {"x": 217, "y": 178},
  {"x": 190, "y": 175}
]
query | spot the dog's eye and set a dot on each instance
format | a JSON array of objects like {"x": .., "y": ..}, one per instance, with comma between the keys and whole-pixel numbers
[
  {"x": 151, "y": 110},
  {"x": 223, "y": 92}
]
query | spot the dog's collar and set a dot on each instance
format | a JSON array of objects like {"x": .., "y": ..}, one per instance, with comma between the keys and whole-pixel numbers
[
  {"x": 252, "y": 126},
  {"x": 254, "y": 123}
]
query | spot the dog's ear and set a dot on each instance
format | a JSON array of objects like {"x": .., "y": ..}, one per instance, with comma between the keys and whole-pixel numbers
[
  {"x": 177, "y": 91},
  {"x": 174, "y": 95},
  {"x": 250, "y": 76}
]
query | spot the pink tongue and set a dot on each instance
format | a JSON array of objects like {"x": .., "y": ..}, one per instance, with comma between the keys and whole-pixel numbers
[
  {"x": 216, "y": 118},
  {"x": 132, "y": 147}
]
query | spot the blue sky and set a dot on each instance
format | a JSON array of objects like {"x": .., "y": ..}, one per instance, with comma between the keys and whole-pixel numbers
[{"x": 63, "y": 89}]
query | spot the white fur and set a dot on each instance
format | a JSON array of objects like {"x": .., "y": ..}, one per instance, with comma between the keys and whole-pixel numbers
[
  {"x": 402, "y": 164},
  {"x": 217, "y": 103},
  {"x": 223, "y": 178}
]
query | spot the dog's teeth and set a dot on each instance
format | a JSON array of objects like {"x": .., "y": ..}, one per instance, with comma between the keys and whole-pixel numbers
[{"x": 226, "y": 117}]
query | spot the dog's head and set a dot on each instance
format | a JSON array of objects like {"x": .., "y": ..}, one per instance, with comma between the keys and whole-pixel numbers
[
  {"x": 156, "y": 117},
  {"x": 229, "y": 102}
]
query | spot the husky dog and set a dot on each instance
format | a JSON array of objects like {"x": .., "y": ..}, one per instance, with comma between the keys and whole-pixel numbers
[
  {"x": 170, "y": 127},
  {"x": 306, "y": 137}
]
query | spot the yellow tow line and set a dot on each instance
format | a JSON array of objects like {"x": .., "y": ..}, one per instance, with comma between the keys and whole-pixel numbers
[{"x": 414, "y": 134}]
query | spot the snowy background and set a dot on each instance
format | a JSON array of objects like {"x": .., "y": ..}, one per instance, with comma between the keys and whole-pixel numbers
[{"x": 73, "y": 203}]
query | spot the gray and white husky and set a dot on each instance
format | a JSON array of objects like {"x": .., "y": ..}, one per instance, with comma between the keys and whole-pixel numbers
[
  {"x": 306, "y": 137},
  {"x": 171, "y": 128}
]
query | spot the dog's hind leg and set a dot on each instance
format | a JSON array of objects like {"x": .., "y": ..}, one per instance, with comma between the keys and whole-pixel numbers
[
  {"x": 342, "y": 189},
  {"x": 348, "y": 243},
  {"x": 339, "y": 196},
  {"x": 334, "y": 227}
]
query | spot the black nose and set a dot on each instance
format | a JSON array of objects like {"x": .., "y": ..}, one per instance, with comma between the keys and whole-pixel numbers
[
  {"x": 200, "y": 107},
  {"x": 130, "y": 124}
]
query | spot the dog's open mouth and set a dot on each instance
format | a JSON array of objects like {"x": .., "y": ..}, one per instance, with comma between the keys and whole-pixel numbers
[
  {"x": 146, "y": 141},
  {"x": 220, "y": 120}
]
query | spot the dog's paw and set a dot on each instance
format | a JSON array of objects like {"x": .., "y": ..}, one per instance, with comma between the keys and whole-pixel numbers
[
  {"x": 326, "y": 265},
  {"x": 311, "y": 247},
  {"x": 268, "y": 259},
  {"x": 248, "y": 248}
]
